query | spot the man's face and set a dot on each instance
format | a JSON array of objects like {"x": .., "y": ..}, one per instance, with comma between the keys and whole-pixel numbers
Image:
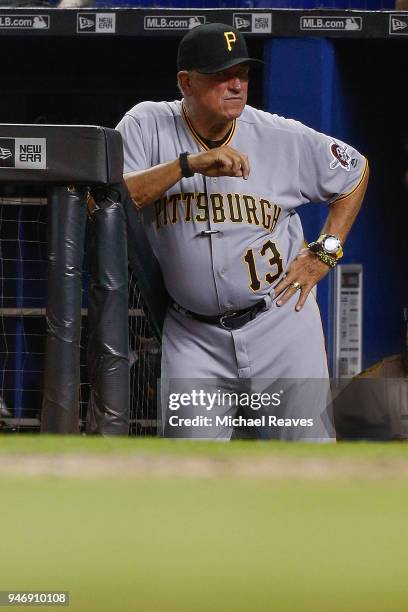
[{"x": 221, "y": 94}]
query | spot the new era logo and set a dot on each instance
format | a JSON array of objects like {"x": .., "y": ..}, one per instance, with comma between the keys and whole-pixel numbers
[
  {"x": 23, "y": 153},
  {"x": 7, "y": 149},
  {"x": 241, "y": 23},
  {"x": 398, "y": 24},
  {"x": 255, "y": 23},
  {"x": 5, "y": 153},
  {"x": 98, "y": 23},
  {"x": 85, "y": 24}
]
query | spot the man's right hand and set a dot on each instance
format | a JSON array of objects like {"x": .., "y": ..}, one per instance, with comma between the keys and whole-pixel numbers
[
  {"x": 145, "y": 186},
  {"x": 222, "y": 161}
]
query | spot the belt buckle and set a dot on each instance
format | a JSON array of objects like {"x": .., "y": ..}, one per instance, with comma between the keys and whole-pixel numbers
[{"x": 225, "y": 316}]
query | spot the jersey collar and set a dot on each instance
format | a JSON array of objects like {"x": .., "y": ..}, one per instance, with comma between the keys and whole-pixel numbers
[{"x": 201, "y": 141}]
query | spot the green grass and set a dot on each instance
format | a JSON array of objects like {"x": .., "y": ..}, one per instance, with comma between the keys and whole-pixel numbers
[
  {"x": 26, "y": 444},
  {"x": 182, "y": 544}
]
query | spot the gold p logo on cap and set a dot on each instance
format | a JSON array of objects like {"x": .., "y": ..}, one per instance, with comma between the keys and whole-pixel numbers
[{"x": 231, "y": 38}]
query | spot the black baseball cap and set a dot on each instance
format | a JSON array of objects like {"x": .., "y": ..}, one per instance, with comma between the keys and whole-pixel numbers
[{"x": 212, "y": 47}]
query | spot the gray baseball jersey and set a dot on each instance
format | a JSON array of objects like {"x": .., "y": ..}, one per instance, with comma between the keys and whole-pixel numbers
[{"x": 254, "y": 234}]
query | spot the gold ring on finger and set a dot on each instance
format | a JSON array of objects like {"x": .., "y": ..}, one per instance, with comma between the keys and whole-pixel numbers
[{"x": 295, "y": 285}]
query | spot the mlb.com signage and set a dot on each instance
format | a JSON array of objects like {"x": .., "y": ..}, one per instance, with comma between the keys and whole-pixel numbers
[
  {"x": 175, "y": 22},
  {"x": 330, "y": 23},
  {"x": 24, "y": 22}
]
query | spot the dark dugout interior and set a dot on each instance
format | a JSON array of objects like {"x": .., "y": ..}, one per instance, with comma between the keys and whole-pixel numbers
[
  {"x": 89, "y": 80},
  {"x": 372, "y": 76}
]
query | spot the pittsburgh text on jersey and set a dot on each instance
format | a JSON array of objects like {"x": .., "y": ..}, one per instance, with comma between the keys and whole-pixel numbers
[{"x": 216, "y": 208}]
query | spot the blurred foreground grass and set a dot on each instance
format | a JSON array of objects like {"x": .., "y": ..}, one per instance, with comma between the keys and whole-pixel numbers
[
  {"x": 26, "y": 444},
  {"x": 183, "y": 544}
]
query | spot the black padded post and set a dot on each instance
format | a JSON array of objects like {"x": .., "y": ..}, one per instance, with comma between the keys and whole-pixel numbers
[
  {"x": 66, "y": 236},
  {"x": 108, "y": 344},
  {"x": 84, "y": 156},
  {"x": 144, "y": 264}
]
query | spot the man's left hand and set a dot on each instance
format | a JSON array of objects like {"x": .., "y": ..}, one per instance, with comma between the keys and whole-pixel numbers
[{"x": 302, "y": 275}]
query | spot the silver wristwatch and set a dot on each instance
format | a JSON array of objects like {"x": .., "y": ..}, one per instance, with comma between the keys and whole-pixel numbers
[{"x": 329, "y": 244}]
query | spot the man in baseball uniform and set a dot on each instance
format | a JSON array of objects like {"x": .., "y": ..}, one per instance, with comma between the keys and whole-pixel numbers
[{"x": 218, "y": 183}]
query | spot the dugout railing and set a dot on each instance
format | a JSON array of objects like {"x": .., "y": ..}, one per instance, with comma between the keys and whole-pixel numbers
[{"x": 72, "y": 162}]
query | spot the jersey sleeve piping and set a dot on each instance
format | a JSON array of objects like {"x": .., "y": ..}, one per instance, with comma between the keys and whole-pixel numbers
[{"x": 356, "y": 186}]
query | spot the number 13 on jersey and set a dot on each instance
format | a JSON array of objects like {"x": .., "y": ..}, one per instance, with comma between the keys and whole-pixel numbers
[{"x": 269, "y": 251}]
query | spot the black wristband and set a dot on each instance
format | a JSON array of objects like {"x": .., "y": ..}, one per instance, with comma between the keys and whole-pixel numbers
[{"x": 185, "y": 168}]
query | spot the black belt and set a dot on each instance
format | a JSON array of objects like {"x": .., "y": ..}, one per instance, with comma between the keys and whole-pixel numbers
[{"x": 232, "y": 319}]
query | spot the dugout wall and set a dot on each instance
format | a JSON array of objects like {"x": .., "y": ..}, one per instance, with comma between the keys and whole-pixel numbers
[
  {"x": 352, "y": 89},
  {"x": 347, "y": 82}
]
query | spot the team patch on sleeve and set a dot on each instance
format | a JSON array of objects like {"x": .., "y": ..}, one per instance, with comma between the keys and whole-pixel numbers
[{"x": 341, "y": 157}]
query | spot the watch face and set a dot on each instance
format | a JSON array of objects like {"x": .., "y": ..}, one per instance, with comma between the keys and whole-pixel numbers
[{"x": 331, "y": 244}]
